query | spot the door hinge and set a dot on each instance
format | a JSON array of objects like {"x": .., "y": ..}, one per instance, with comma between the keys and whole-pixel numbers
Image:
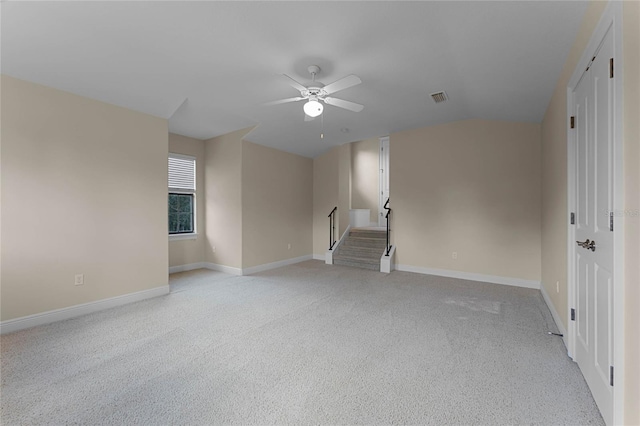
[
  {"x": 611, "y": 375},
  {"x": 573, "y": 218},
  {"x": 611, "y": 68},
  {"x": 611, "y": 221},
  {"x": 573, "y": 314},
  {"x": 573, "y": 122}
]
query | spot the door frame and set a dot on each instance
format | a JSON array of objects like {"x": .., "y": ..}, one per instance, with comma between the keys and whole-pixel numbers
[
  {"x": 611, "y": 19},
  {"x": 384, "y": 141}
]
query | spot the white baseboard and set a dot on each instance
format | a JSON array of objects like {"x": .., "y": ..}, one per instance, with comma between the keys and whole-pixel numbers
[
  {"x": 29, "y": 321},
  {"x": 319, "y": 257},
  {"x": 517, "y": 282},
  {"x": 241, "y": 271},
  {"x": 554, "y": 314},
  {"x": 187, "y": 267},
  {"x": 273, "y": 265},
  {"x": 223, "y": 268}
]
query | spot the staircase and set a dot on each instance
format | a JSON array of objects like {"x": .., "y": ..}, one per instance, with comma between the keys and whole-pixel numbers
[{"x": 362, "y": 248}]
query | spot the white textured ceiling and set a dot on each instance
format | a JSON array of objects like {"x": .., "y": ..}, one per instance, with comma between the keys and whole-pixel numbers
[{"x": 495, "y": 60}]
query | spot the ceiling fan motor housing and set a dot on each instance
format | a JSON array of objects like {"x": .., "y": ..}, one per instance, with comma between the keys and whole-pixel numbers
[{"x": 316, "y": 92}]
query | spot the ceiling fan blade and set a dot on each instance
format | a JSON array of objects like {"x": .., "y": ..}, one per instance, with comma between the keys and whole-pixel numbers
[
  {"x": 351, "y": 106},
  {"x": 343, "y": 83},
  {"x": 284, "y": 101},
  {"x": 294, "y": 83}
]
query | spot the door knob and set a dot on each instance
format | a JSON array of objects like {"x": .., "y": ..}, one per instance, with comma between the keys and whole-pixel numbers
[{"x": 589, "y": 245}]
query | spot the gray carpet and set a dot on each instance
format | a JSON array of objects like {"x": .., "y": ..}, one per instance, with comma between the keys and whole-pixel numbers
[{"x": 304, "y": 344}]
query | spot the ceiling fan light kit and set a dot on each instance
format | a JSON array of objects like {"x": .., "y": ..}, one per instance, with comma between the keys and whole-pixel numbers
[
  {"x": 317, "y": 93},
  {"x": 313, "y": 108}
]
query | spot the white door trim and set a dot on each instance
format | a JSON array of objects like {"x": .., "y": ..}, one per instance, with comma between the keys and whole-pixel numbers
[
  {"x": 611, "y": 18},
  {"x": 383, "y": 179}
]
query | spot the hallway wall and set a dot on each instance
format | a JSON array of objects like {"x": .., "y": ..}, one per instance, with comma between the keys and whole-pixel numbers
[{"x": 365, "y": 178}]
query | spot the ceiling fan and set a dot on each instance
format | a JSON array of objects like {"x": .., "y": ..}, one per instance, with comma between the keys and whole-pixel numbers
[{"x": 317, "y": 92}]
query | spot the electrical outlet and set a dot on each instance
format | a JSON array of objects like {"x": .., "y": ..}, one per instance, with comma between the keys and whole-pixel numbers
[
  {"x": 557, "y": 286},
  {"x": 289, "y": 246},
  {"x": 79, "y": 279},
  {"x": 454, "y": 255},
  {"x": 214, "y": 249}
]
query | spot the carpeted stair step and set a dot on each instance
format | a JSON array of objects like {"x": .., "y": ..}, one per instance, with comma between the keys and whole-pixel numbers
[
  {"x": 363, "y": 252},
  {"x": 362, "y": 248},
  {"x": 364, "y": 242},
  {"x": 368, "y": 234},
  {"x": 358, "y": 262}
]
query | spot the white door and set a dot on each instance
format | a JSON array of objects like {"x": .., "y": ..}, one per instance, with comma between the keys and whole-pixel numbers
[
  {"x": 384, "y": 180},
  {"x": 593, "y": 114}
]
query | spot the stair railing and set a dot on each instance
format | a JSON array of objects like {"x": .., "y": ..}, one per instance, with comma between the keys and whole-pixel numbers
[
  {"x": 386, "y": 206},
  {"x": 332, "y": 227}
]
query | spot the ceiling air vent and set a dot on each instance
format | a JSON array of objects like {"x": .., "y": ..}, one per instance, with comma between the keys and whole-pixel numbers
[{"x": 439, "y": 97}]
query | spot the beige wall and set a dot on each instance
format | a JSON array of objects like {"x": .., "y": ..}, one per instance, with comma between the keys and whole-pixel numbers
[
  {"x": 325, "y": 197},
  {"x": 258, "y": 201},
  {"x": 471, "y": 187},
  {"x": 631, "y": 48},
  {"x": 277, "y": 205},
  {"x": 184, "y": 252},
  {"x": 223, "y": 199},
  {"x": 365, "y": 177},
  {"x": 554, "y": 211},
  {"x": 253, "y": 202},
  {"x": 84, "y": 191}
]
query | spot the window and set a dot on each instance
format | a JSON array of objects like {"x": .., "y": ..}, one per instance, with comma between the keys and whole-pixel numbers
[{"x": 182, "y": 193}]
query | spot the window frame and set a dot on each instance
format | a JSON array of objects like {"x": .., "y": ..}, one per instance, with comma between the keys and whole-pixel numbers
[{"x": 184, "y": 191}]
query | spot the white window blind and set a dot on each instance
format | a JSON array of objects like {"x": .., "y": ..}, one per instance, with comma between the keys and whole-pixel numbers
[{"x": 182, "y": 173}]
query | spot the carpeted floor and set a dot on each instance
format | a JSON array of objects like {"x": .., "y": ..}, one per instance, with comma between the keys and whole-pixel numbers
[{"x": 303, "y": 344}]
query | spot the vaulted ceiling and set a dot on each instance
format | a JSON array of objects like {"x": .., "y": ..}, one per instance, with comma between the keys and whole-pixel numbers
[{"x": 208, "y": 67}]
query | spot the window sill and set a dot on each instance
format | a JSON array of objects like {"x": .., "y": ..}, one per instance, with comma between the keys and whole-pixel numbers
[{"x": 178, "y": 237}]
